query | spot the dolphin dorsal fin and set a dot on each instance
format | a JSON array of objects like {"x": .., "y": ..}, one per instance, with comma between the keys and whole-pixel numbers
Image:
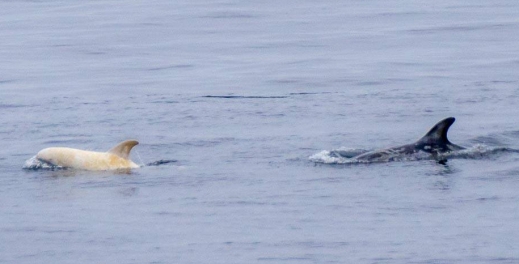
[
  {"x": 438, "y": 132},
  {"x": 123, "y": 149}
]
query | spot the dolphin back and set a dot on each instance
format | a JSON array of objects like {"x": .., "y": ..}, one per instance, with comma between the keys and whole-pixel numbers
[{"x": 83, "y": 159}]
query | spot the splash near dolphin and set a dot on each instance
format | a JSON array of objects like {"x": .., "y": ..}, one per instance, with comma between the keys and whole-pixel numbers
[
  {"x": 61, "y": 157},
  {"x": 434, "y": 145}
]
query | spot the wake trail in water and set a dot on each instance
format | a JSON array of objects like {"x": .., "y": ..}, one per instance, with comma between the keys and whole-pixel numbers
[
  {"x": 243, "y": 97},
  {"x": 233, "y": 96}
]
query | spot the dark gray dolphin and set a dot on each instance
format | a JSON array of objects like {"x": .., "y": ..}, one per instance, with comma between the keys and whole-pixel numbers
[{"x": 435, "y": 143}]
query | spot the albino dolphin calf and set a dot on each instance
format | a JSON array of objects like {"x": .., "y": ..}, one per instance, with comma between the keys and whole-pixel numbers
[
  {"x": 434, "y": 143},
  {"x": 115, "y": 158}
]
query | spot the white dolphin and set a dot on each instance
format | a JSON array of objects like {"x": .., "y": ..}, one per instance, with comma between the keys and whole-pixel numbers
[{"x": 115, "y": 158}]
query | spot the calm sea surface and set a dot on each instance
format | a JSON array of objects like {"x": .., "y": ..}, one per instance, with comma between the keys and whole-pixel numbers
[{"x": 241, "y": 94}]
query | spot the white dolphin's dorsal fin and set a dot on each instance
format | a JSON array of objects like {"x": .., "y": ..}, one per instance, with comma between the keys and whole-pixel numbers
[{"x": 123, "y": 149}]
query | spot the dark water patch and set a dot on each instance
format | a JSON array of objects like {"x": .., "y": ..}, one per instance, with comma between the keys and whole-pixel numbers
[
  {"x": 458, "y": 28},
  {"x": 95, "y": 52},
  {"x": 264, "y": 97},
  {"x": 311, "y": 93},
  {"x": 169, "y": 67},
  {"x": 244, "y": 97},
  {"x": 166, "y": 213},
  {"x": 103, "y": 102},
  {"x": 485, "y": 199},
  {"x": 303, "y": 93},
  {"x": 67, "y": 142},
  {"x": 61, "y": 45},
  {"x": 161, "y": 162},
  {"x": 493, "y": 198},
  {"x": 286, "y": 81},
  {"x": 6, "y": 81},
  {"x": 504, "y": 81},
  {"x": 7, "y": 106},
  {"x": 237, "y": 203},
  {"x": 397, "y": 80},
  {"x": 60, "y": 231},
  {"x": 164, "y": 100}
]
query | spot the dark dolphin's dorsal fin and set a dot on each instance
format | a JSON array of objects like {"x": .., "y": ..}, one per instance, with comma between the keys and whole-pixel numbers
[
  {"x": 438, "y": 133},
  {"x": 123, "y": 149}
]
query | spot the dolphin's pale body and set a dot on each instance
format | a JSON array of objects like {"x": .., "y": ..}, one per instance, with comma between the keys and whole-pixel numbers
[{"x": 115, "y": 158}]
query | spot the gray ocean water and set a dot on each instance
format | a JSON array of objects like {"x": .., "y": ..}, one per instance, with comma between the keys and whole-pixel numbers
[{"x": 242, "y": 94}]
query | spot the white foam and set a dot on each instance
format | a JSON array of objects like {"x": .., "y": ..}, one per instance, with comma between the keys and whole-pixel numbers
[
  {"x": 36, "y": 164},
  {"x": 327, "y": 157}
]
